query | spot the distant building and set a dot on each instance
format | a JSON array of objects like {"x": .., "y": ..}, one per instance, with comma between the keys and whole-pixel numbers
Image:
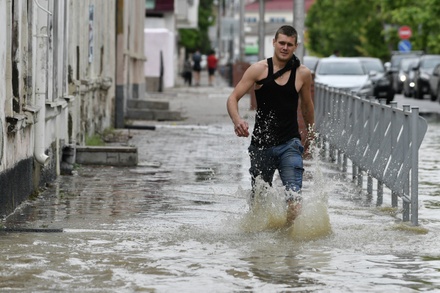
[
  {"x": 277, "y": 13},
  {"x": 163, "y": 19}
]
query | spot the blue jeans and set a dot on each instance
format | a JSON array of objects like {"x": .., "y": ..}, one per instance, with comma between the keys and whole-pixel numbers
[{"x": 286, "y": 158}]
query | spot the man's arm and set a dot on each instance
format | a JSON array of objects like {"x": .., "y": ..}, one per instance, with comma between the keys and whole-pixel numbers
[
  {"x": 250, "y": 76},
  {"x": 307, "y": 106}
]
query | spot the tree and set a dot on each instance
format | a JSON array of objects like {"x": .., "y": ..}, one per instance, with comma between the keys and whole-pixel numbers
[
  {"x": 193, "y": 39},
  {"x": 370, "y": 28},
  {"x": 421, "y": 16},
  {"x": 345, "y": 25}
]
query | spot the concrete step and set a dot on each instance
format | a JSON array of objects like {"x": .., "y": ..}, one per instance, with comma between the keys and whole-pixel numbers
[
  {"x": 151, "y": 114},
  {"x": 148, "y": 104},
  {"x": 160, "y": 95},
  {"x": 107, "y": 155}
]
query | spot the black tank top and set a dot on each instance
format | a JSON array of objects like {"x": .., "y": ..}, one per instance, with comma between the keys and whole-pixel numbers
[{"x": 276, "y": 120}]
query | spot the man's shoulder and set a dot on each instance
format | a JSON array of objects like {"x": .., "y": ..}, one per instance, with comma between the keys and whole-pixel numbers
[
  {"x": 257, "y": 70},
  {"x": 304, "y": 71},
  {"x": 259, "y": 65}
]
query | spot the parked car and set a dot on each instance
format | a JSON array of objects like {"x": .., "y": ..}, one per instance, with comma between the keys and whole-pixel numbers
[
  {"x": 434, "y": 83},
  {"x": 381, "y": 79},
  {"x": 423, "y": 72},
  {"x": 345, "y": 73},
  {"x": 310, "y": 62},
  {"x": 408, "y": 75},
  {"x": 394, "y": 64}
]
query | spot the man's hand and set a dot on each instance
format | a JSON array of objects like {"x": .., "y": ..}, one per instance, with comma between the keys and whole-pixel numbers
[
  {"x": 310, "y": 142},
  {"x": 241, "y": 128}
]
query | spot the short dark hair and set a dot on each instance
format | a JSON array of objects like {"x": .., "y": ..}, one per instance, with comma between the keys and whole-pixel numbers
[{"x": 287, "y": 30}]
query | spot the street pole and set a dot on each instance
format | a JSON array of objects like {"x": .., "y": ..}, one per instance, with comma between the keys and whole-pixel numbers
[
  {"x": 261, "y": 31},
  {"x": 219, "y": 29},
  {"x": 298, "y": 23},
  {"x": 241, "y": 41}
]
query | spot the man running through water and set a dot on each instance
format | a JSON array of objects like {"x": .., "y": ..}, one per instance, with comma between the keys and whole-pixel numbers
[{"x": 276, "y": 141}]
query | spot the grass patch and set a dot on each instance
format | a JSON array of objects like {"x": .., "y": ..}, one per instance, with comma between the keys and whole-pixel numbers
[{"x": 95, "y": 140}]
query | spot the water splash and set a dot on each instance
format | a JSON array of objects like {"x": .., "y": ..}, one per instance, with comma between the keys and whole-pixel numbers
[
  {"x": 268, "y": 209},
  {"x": 314, "y": 220}
]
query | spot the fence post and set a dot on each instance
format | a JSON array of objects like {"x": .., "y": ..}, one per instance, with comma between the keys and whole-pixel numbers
[
  {"x": 406, "y": 204},
  {"x": 414, "y": 167},
  {"x": 370, "y": 132},
  {"x": 393, "y": 105}
]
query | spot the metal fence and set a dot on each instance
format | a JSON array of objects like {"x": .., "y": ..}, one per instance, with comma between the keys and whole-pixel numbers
[{"x": 380, "y": 140}]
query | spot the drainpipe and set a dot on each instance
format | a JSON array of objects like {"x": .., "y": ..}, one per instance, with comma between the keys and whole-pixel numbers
[{"x": 40, "y": 75}]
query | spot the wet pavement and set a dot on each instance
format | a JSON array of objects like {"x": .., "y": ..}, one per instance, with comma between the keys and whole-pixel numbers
[{"x": 180, "y": 221}]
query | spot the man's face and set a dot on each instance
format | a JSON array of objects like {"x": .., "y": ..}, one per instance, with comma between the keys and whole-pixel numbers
[{"x": 284, "y": 47}]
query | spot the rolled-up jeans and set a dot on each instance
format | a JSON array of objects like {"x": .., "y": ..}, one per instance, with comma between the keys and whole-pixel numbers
[{"x": 286, "y": 158}]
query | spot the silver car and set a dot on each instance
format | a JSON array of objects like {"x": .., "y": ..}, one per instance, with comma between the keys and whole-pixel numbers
[
  {"x": 344, "y": 73},
  {"x": 423, "y": 72},
  {"x": 434, "y": 84},
  {"x": 310, "y": 62}
]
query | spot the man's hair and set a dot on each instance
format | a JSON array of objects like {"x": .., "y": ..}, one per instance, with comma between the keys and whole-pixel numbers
[{"x": 287, "y": 30}]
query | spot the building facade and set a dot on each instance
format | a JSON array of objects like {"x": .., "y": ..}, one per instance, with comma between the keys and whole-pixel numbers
[
  {"x": 165, "y": 59},
  {"x": 58, "y": 83}
]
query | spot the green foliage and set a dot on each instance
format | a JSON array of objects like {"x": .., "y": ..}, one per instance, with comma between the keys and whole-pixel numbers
[
  {"x": 370, "y": 28},
  {"x": 189, "y": 38},
  {"x": 193, "y": 39},
  {"x": 344, "y": 25},
  {"x": 95, "y": 140}
]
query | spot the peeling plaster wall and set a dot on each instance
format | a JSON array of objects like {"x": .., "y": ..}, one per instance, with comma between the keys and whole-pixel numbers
[
  {"x": 92, "y": 75},
  {"x": 78, "y": 91},
  {"x": 3, "y": 70}
]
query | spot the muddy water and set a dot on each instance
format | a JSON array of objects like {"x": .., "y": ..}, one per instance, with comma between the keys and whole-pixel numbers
[{"x": 180, "y": 221}]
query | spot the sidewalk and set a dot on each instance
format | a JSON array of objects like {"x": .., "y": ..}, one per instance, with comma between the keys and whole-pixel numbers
[
  {"x": 174, "y": 148},
  {"x": 199, "y": 105}
]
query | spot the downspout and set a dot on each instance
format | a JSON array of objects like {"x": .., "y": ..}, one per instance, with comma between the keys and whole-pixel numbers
[{"x": 40, "y": 75}]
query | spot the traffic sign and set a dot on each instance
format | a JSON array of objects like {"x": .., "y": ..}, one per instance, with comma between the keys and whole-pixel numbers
[
  {"x": 405, "y": 32},
  {"x": 404, "y": 46}
]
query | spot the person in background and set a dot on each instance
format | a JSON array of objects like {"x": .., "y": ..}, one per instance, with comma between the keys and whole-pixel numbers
[
  {"x": 212, "y": 66},
  {"x": 276, "y": 140},
  {"x": 197, "y": 58},
  {"x": 335, "y": 53},
  {"x": 187, "y": 71}
]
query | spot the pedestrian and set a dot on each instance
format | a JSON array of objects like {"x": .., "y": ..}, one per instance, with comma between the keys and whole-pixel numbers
[
  {"x": 335, "y": 53},
  {"x": 276, "y": 141},
  {"x": 187, "y": 72},
  {"x": 197, "y": 58},
  {"x": 212, "y": 67}
]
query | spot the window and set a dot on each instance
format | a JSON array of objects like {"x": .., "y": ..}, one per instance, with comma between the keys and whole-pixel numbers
[
  {"x": 277, "y": 20},
  {"x": 251, "y": 19},
  {"x": 150, "y": 4}
]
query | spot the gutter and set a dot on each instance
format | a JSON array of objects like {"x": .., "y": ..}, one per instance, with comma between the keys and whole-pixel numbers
[{"x": 40, "y": 74}]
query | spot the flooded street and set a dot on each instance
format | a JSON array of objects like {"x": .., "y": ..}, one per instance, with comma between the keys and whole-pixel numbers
[{"x": 180, "y": 221}]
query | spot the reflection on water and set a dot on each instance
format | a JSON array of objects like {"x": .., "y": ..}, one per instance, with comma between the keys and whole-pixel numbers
[{"x": 173, "y": 225}]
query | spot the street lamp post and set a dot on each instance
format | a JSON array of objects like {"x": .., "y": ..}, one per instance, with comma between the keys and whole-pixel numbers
[
  {"x": 298, "y": 23},
  {"x": 261, "y": 31}
]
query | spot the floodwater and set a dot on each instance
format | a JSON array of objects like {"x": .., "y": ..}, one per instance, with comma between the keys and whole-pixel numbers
[{"x": 180, "y": 222}]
